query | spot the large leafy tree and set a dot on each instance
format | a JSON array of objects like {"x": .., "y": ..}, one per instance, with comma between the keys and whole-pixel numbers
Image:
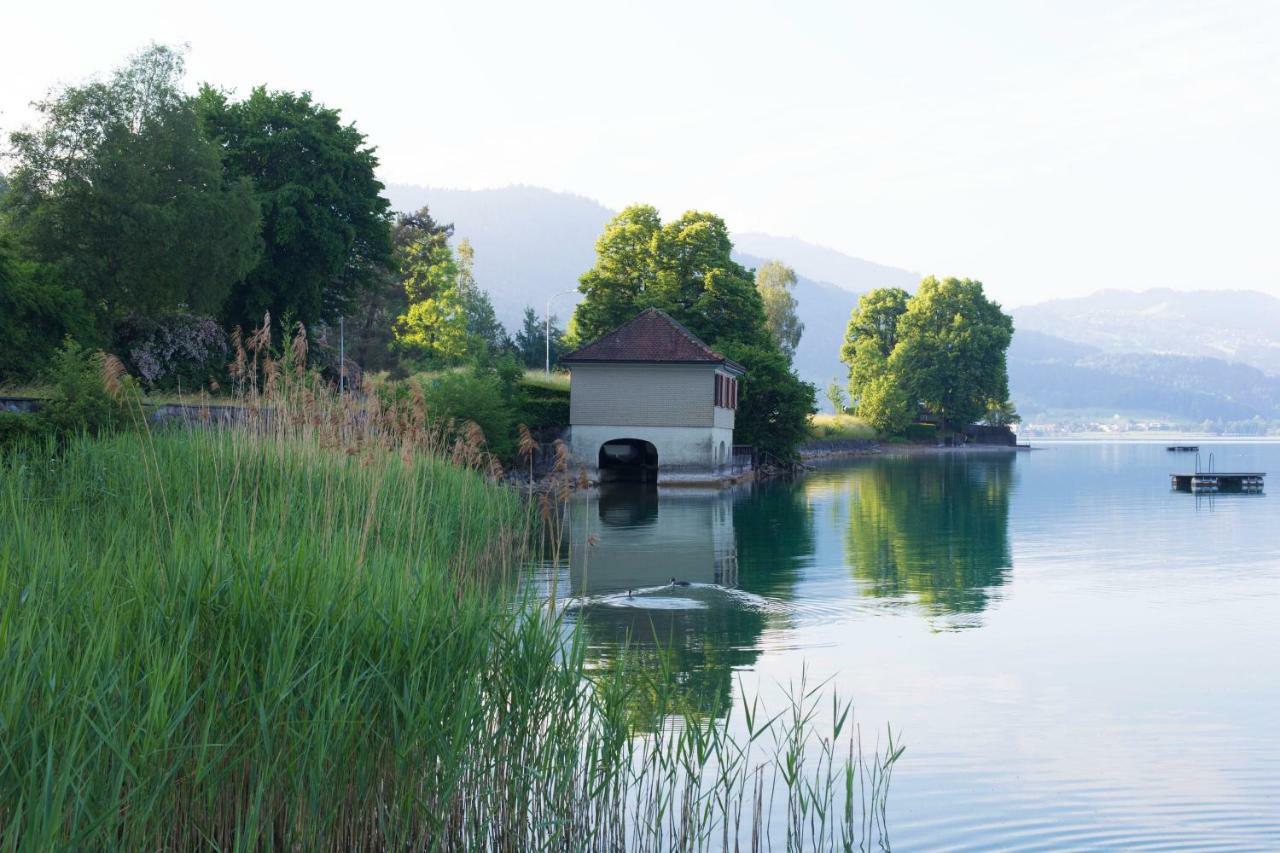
[
  {"x": 776, "y": 281},
  {"x": 950, "y": 355},
  {"x": 324, "y": 218},
  {"x": 620, "y": 283},
  {"x": 941, "y": 351},
  {"x": 685, "y": 267},
  {"x": 118, "y": 190},
  {"x": 875, "y": 395}
]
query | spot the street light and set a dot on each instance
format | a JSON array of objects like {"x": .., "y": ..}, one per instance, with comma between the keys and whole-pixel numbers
[{"x": 547, "y": 369}]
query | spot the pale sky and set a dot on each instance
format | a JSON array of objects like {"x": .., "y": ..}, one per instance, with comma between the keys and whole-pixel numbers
[{"x": 1049, "y": 149}]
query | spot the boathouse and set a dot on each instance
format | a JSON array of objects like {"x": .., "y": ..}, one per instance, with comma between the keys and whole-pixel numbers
[{"x": 649, "y": 401}]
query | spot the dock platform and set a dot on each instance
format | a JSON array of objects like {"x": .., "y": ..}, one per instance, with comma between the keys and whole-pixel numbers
[
  {"x": 1218, "y": 481},
  {"x": 1183, "y": 448}
]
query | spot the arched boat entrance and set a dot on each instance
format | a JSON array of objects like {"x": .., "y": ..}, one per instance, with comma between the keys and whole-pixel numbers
[{"x": 629, "y": 460}]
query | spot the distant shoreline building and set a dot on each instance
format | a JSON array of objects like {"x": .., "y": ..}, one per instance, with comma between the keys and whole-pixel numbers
[{"x": 649, "y": 401}]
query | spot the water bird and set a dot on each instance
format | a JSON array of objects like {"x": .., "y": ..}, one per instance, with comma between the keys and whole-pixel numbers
[{"x": 675, "y": 582}]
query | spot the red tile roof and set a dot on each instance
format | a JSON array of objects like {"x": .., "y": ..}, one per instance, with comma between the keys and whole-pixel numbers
[{"x": 652, "y": 336}]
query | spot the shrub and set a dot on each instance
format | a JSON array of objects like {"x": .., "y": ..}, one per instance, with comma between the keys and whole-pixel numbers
[
  {"x": 36, "y": 312},
  {"x": 173, "y": 351},
  {"x": 21, "y": 429},
  {"x": 474, "y": 396},
  {"x": 81, "y": 401},
  {"x": 922, "y": 433}
]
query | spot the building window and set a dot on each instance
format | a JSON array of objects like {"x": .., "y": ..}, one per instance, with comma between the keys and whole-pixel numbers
[{"x": 726, "y": 395}]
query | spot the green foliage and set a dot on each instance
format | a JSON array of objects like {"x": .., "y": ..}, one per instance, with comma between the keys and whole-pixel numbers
[
  {"x": 434, "y": 326},
  {"x": 618, "y": 286},
  {"x": 485, "y": 334},
  {"x": 823, "y": 426},
  {"x": 942, "y": 350},
  {"x": 835, "y": 396},
  {"x": 36, "y": 312},
  {"x": 324, "y": 219},
  {"x": 23, "y": 430},
  {"x": 951, "y": 352},
  {"x": 921, "y": 433},
  {"x": 531, "y": 340},
  {"x": 773, "y": 405},
  {"x": 119, "y": 190},
  {"x": 1001, "y": 413},
  {"x": 775, "y": 281},
  {"x": 477, "y": 396},
  {"x": 686, "y": 268},
  {"x": 80, "y": 402}
]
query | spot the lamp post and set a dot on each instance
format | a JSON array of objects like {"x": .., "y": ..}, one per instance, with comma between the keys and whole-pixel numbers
[{"x": 547, "y": 369}]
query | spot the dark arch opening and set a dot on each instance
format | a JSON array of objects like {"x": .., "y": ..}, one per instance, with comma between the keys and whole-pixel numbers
[{"x": 628, "y": 460}]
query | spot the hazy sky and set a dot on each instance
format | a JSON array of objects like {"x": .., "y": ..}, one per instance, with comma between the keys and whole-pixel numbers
[{"x": 1047, "y": 148}]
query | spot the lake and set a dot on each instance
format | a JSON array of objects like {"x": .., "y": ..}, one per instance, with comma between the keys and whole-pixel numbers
[{"x": 1074, "y": 655}]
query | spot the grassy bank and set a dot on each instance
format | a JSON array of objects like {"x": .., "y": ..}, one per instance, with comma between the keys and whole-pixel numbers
[
  {"x": 827, "y": 426},
  {"x": 304, "y": 633}
]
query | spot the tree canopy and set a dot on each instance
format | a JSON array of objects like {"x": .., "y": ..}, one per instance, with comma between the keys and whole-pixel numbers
[
  {"x": 324, "y": 220},
  {"x": 941, "y": 352},
  {"x": 111, "y": 186}
]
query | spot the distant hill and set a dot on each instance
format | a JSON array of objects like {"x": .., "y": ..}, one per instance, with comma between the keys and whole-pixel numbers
[
  {"x": 1233, "y": 325},
  {"x": 532, "y": 243},
  {"x": 1052, "y": 375},
  {"x": 825, "y": 265}
]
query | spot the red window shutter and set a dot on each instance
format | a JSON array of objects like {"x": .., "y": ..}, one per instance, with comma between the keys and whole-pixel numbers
[
  {"x": 733, "y": 393},
  {"x": 717, "y": 395}
]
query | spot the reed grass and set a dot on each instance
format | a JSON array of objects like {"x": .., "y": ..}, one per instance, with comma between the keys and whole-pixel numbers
[{"x": 303, "y": 633}]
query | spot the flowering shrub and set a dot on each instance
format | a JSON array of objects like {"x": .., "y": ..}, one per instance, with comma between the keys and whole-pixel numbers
[{"x": 177, "y": 350}]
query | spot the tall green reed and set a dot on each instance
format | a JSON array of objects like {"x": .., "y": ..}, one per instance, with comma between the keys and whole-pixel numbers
[{"x": 302, "y": 632}]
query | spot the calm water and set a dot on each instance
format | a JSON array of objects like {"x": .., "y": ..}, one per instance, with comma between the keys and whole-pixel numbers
[{"x": 1076, "y": 656}]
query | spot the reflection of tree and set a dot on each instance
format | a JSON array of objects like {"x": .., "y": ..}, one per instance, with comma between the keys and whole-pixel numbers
[
  {"x": 773, "y": 526},
  {"x": 675, "y": 661},
  {"x": 682, "y": 660},
  {"x": 934, "y": 528}
]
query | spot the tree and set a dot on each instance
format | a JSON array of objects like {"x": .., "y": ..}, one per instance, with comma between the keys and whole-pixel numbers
[
  {"x": 371, "y": 338},
  {"x": 835, "y": 396},
  {"x": 434, "y": 326},
  {"x": 324, "y": 219},
  {"x": 875, "y": 319},
  {"x": 618, "y": 285},
  {"x": 775, "y": 281},
  {"x": 485, "y": 334},
  {"x": 531, "y": 341},
  {"x": 123, "y": 195},
  {"x": 36, "y": 314},
  {"x": 950, "y": 354},
  {"x": 773, "y": 405}
]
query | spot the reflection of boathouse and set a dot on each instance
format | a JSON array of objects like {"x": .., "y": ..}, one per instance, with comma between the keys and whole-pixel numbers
[
  {"x": 650, "y": 402},
  {"x": 637, "y": 541}
]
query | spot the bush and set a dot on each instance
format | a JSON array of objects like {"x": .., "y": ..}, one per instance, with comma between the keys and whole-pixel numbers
[
  {"x": 81, "y": 401},
  {"x": 922, "y": 433},
  {"x": 473, "y": 396},
  {"x": 36, "y": 312},
  {"x": 21, "y": 429},
  {"x": 174, "y": 351}
]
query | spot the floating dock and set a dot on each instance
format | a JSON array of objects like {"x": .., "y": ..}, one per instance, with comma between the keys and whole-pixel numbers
[
  {"x": 1183, "y": 448},
  {"x": 1218, "y": 481}
]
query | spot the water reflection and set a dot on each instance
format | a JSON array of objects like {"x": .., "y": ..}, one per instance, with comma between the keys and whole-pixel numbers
[
  {"x": 637, "y": 541},
  {"x": 932, "y": 530}
]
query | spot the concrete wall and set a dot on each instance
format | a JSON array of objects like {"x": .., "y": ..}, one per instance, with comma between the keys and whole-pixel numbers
[
  {"x": 646, "y": 395},
  {"x": 685, "y": 454}
]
